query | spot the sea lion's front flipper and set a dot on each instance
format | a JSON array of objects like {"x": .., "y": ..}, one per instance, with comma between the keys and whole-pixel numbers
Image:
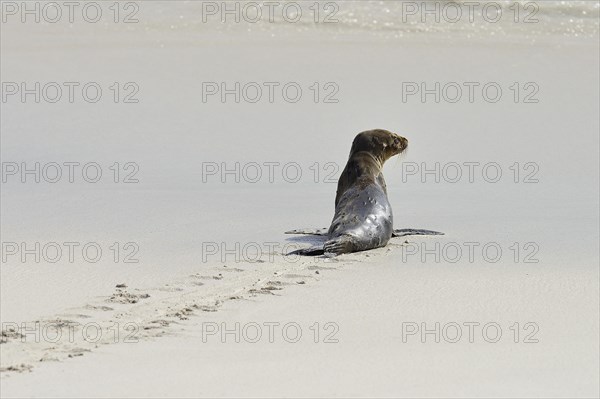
[
  {"x": 314, "y": 232},
  {"x": 415, "y": 232}
]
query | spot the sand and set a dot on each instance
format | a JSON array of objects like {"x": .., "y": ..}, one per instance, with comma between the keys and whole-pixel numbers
[{"x": 179, "y": 222}]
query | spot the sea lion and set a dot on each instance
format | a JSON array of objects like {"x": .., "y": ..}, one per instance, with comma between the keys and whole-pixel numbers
[{"x": 363, "y": 217}]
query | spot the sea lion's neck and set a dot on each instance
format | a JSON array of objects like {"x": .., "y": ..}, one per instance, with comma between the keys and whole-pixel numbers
[
  {"x": 367, "y": 162},
  {"x": 363, "y": 166}
]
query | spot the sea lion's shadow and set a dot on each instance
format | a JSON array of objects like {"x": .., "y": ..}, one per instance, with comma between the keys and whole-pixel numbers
[{"x": 313, "y": 240}]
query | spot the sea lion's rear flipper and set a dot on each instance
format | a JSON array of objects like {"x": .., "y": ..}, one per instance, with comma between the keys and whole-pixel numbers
[
  {"x": 314, "y": 232},
  {"x": 415, "y": 232},
  {"x": 312, "y": 251}
]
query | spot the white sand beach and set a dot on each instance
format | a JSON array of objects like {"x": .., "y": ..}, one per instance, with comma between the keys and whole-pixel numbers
[{"x": 191, "y": 294}]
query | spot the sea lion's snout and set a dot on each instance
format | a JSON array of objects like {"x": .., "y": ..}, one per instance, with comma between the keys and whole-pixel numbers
[{"x": 400, "y": 143}]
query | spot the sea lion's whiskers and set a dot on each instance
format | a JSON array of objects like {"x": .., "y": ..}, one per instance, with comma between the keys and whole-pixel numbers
[{"x": 401, "y": 156}]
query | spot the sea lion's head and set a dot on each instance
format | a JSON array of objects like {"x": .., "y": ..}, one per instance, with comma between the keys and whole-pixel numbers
[{"x": 380, "y": 143}]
